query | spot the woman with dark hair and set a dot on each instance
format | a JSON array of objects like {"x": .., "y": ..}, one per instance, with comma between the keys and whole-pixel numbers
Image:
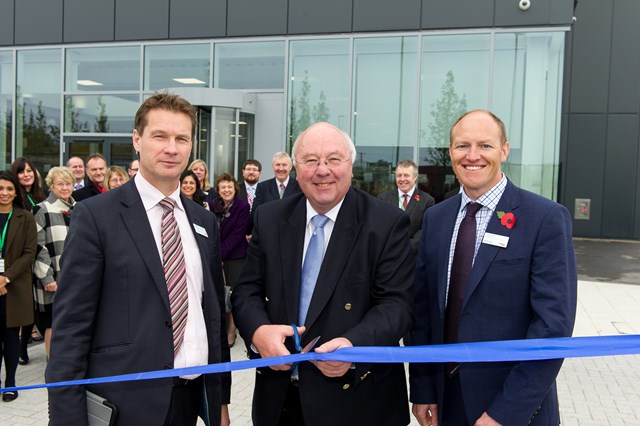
[
  {"x": 18, "y": 250},
  {"x": 190, "y": 188},
  {"x": 232, "y": 213}
]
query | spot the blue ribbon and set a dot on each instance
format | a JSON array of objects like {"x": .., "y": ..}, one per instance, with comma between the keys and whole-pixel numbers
[{"x": 506, "y": 350}]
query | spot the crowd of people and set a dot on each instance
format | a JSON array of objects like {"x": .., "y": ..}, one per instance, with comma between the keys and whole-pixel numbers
[{"x": 165, "y": 271}]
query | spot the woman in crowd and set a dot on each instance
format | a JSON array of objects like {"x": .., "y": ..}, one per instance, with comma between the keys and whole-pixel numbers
[
  {"x": 32, "y": 194},
  {"x": 190, "y": 188},
  {"x": 200, "y": 169},
  {"x": 18, "y": 249},
  {"x": 114, "y": 177},
  {"x": 52, "y": 224},
  {"x": 233, "y": 217}
]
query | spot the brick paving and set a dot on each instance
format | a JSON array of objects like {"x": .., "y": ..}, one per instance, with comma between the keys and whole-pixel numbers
[{"x": 593, "y": 391}]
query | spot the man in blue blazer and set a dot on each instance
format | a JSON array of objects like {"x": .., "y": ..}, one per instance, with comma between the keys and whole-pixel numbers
[
  {"x": 113, "y": 313},
  {"x": 522, "y": 285}
]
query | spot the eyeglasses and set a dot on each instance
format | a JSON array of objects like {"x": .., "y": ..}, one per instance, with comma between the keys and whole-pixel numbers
[
  {"x": 314, "y": 163},
  {"x": 62, "y": 184},
  {"x": 251, "y": 169}
]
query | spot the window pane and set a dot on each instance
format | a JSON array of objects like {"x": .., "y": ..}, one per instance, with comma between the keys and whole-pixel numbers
[
  {"x": 103, "y": 68},
  {"x": 224, "y": 143},
  {"x": 527, "y": 92},
  {"x": 249, "y": 65},
  {"x": 385, "y": 85},
  {"x": 6, "y": 107},
  {"x": 100, "y": 113},
  {"x": 182, "y": 65},
  {"x": 38, "y": 111},
  {"x": 318, "y": 84},
  {"x": 455, "y": 79}
]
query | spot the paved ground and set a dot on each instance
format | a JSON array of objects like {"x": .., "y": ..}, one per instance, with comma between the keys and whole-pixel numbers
[{"x": 593, "y": 391}]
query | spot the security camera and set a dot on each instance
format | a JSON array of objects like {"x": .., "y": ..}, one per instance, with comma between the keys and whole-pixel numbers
[{"x": 524, "y": 5}]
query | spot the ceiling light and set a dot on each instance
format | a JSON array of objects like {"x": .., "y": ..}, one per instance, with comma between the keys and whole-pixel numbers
[
  {"x": 88, "y": 83},
  {"x": 188, "y": 80}
]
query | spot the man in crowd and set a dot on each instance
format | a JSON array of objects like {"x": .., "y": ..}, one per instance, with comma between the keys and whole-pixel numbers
[
  {"x": 134, "y": 166},
  {"x": 336, "y": 262},
  {"x": 496, "y": 262},
  {"x": 409, "y": 198},
  {"x": 96, "y": 168},
  {"x": 278, "y": 187},
  {"x": 141, "y": 289},
  {"x": 251, "y": 170},
  {"x": 77, "y": 167}
]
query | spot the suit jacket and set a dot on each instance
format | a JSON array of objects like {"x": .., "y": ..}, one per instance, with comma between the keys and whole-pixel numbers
[
  {"x": 418, "y": 204},
  {"x": 363, "y": 294},
  {"x": 524, "y": 291},
  {"x": 112, "y": 316},
  {"x": 87, "y": 191},
  {"x": 233, "y": 239},
  {"x": 267, "y": 191}
]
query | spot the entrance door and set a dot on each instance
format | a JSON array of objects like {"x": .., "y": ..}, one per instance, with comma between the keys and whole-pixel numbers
[{"x": 118, "y": 151}]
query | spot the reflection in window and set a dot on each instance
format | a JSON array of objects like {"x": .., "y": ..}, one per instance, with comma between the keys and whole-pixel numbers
[
  {"x": 255, "y": 65},
  {"x": 103, "y": 68},
  {"x": 318, "y": 84},
  {"x": 384, "y": 103},
  {"x": 100, "y": 113},
  {"x": 176, "y": 65},
  {"x": 38, "y": 107},
  {"x": 6, "y": 107}
]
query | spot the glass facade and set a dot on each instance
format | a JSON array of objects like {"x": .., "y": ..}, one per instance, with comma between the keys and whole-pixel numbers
[{"x": 396, "y": 94}]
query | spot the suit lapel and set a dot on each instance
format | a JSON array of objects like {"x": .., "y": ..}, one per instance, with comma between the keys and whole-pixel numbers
[
  {"x": 291, "y": 231},
  {"x": 448, "y": 223}
]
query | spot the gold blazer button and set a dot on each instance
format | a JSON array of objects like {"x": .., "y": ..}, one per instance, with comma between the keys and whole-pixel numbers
[
  {"x": 345, "y": 386},
  {"x": 347, "y": 307}
]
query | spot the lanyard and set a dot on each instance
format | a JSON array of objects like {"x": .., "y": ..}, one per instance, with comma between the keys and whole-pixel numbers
[
  {"x": 4, "y": 232},
  {"x": 33, "y": 204}
]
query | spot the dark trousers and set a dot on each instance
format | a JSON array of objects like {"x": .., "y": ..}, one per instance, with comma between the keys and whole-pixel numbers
[
  {"x": 292, "y": 409},
  {"x": 9, "y": 345},
  {"x": 185, "y": 402},
  {"x": 25, "y": 335},
  {"x": 453, "y": 412}
]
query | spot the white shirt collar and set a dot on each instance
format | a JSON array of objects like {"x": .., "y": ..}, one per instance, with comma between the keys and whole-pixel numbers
[
  {"x": 410, "y": 192},
  {"x": 331, "y": 214},
  {"x": 151, "y": 196}
]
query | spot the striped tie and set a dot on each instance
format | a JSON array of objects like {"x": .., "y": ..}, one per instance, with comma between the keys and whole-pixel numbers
[{"x": 175, "y": 272}]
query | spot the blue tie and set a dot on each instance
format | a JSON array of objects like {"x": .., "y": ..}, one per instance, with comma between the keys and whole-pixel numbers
[{"x": 311, "y": 265}]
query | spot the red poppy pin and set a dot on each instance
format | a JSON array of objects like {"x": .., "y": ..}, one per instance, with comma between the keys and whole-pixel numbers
[
  {"x": 507, "y": 219},
  {"x": 64, "y": 212},
  {"x": 416, "y": 197}
]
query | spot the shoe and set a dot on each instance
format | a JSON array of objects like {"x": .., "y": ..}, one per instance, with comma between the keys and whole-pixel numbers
[
  {"x": 37, "y": 338},
  {"x": 10, "y": 396},
  {"x": 23, "y": 360}
]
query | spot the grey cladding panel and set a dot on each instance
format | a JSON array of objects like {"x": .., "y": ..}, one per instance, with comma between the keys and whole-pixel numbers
[
  {"x": 457, "y": 13},
  {"x": 540, "y": 12},
  {"x": 620, "y": 180},
  {"x": 198, "y": 18},
  {"x": 38, "y": 21},
  {"x": 88, "y": 20},
  {"x": 326, "y": 16},
  {"x": 142, "y": 19},
  {"x": 257, "y": 17},
  {"x": 386, "y": 15},
  {"x": 625, "y": 58},
  {"x": 6, "y": 22}
]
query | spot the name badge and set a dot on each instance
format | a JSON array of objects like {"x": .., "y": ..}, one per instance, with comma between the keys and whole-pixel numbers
[
  {"x": 1, "y": 266},
  {"x": 495, "y": 240},
  {"x": 200, "y": 230}
]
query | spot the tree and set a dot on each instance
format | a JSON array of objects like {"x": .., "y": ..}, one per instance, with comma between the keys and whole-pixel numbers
[
  {"x": 101, "y": 125},
  {"x": 302, "y": 115}
]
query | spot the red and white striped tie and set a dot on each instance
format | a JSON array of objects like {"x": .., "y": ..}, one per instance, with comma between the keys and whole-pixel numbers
[{"x": 175, "y": 272}]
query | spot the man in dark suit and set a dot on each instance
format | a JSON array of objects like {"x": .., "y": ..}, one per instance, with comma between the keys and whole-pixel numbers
[
  {"x": 278, "y": 187},
  {"x": 251, "y": 170},
  {"x": 120, "y": 308},
  {"x": 409, "y": 198},
  {"x": 359, "y": 295},
  {"x": 517, "y": 280},
  {"x": 96, "y": 168}
]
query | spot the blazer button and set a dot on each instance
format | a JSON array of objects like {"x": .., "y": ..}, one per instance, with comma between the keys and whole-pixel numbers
[
  {"x": 345, "y": 386},
  {"x": 347, "y": 307},
  {"x": 266, "y": 299}
]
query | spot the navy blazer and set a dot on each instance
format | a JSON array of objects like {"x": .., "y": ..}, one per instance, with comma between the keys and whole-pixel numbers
[
  {"x": 524, "y": 291},
  {"x": 363, "y": 294},
  {"x": 112, "y": 316}
]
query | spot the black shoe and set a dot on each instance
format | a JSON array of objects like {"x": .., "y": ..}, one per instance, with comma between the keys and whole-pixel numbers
[
  {"x": 23, "y": 360},
  {"x": 10, "y": 396}
]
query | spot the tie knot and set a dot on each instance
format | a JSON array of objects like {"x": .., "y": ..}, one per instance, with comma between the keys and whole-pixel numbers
[
  {"x": 167, "y": 203},
  {"x": 319, "y": 220},
  {"x": 472, "y": 209},
  {"x": 405, "y": 195}
]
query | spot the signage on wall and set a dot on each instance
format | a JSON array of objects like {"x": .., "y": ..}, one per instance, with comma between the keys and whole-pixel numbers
[{"x": 582, "y": 209}]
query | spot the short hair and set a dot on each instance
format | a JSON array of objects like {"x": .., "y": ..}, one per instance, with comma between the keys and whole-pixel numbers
[
  {"x": 131, "y": 162},
  {"x": 168, "y": 102},
  {"x": 96, "y": 156},
  {"x": 197, "y": 162},
  {"x": 350, "y": 145},
  {"x": 227, "y": 177},
  {"x": 281, "y": 154},
  {"x": 36, "y": 192},
  {"x": 75, "y": 156},
  {"x": 18, "y": 200},
  {"x": 199, "y": 196},
  {"x": 62, "y": 172},
  {"x": 499, "y": 123},
  {"x": 408, "y": 163},
  {"x": 252, "y": 162},
  {"x": 114, "y": 170}
]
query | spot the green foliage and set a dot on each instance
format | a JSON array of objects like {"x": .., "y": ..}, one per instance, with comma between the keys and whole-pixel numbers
[{"x": 302, "y": 114}]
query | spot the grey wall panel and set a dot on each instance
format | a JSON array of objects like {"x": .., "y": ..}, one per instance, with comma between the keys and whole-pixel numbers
[
  {"x": 88, "y": 20},
  {"x": 561, "y": 12},
  {"x": 540, "y": 12},
  {"x": 624, "y": 85},
  {"x": 585, "y": 171},
  {"x": 590, "y": 57},
  {"x": 6, "y": 22},
  {"x": 142, "y": 19},
  {"x": 383, "y": 15},
  {"x": 256, "y": 17},
  {"x": 621, "y": 174},
  {"x": 326, "y": 16},
  {"x": 197, "y": 18},
  {"x": 38, "y": 21},
  {"x": 457, "y": 13}
]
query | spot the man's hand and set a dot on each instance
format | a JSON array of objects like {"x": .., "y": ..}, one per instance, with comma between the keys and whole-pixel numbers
[
  {"x": 486, "y": 420},
  {"x": 426, "y": 414},
  {"x": 333, "y": 368},
  {"x": 269, "y": 341},
  {"x": 225, "y": 420}
]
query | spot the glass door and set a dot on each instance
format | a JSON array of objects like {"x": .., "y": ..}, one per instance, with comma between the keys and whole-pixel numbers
[{"x": 118, "y": 151}]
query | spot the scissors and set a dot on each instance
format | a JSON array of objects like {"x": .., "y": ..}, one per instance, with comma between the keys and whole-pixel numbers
[{"x": 296, "y": 341}]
